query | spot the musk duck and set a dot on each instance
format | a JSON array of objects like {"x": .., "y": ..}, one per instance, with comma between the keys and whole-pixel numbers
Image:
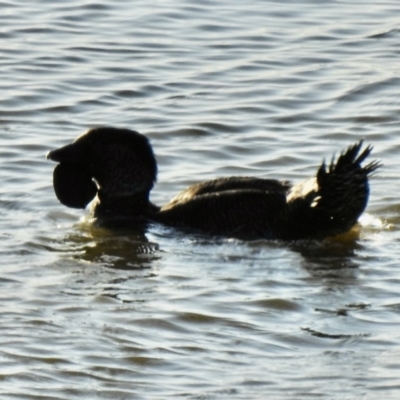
[{"x": 117, "y": 168}]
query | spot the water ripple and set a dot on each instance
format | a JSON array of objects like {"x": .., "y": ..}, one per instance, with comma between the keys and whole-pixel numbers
[{"x": 266, "y": 90}]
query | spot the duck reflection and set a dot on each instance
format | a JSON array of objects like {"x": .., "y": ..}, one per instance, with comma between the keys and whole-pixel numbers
[
  {"x": 335, "y": 260},
  {"x": 117, "y": 248}
]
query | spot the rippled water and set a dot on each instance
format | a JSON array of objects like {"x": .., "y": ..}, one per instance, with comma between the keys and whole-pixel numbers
[{"x": 260, "y": 88}]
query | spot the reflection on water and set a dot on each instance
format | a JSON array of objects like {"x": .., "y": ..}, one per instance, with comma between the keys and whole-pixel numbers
[
  {"x": 265, "y": 90},
  {"x": 119, "y": 249}
]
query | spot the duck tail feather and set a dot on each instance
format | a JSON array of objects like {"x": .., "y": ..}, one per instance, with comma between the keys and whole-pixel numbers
[{"x": 343, "y": 187}]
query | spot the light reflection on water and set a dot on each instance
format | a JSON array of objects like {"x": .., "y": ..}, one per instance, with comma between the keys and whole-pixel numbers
[{"x": 267, "y": 89}]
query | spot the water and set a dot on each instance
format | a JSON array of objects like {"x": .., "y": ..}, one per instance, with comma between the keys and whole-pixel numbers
[{"x": 264, "y": 89}]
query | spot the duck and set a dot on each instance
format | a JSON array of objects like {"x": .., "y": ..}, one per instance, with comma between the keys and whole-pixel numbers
[{"x": 115, "y": 170}]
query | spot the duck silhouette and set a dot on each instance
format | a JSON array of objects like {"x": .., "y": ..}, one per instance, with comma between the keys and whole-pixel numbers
[{"x": 117, "y": 168}]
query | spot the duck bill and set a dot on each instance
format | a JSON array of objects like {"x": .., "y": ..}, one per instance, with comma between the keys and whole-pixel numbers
[{"x": 73, "y": 153}]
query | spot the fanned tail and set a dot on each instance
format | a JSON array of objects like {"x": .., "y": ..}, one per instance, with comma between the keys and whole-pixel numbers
[
  {"x": 348, "y": 161},
  {"x": 343, "y": 188},
  {"x": 332, "y": 202}
]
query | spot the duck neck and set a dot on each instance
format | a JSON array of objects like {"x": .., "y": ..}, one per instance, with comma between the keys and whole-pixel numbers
[{"x": 136, "y": 205}]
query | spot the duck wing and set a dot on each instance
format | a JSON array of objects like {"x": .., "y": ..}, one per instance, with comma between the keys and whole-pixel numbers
[
  {"x": 242, "y": 213},
  {"x": 233, "y": 183}
]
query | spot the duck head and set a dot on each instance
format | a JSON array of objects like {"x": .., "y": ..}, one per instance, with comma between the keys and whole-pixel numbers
[{"x": 117, "y": 165}]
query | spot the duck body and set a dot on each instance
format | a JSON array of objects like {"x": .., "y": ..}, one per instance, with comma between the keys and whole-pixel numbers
[{"x": 117, "y": 167}]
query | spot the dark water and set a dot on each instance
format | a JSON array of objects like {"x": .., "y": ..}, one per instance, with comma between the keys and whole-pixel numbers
[{"x": 259, "y": 88}]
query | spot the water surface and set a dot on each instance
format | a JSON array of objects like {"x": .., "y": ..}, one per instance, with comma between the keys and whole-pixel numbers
[{"x": 266, "y": 89}]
